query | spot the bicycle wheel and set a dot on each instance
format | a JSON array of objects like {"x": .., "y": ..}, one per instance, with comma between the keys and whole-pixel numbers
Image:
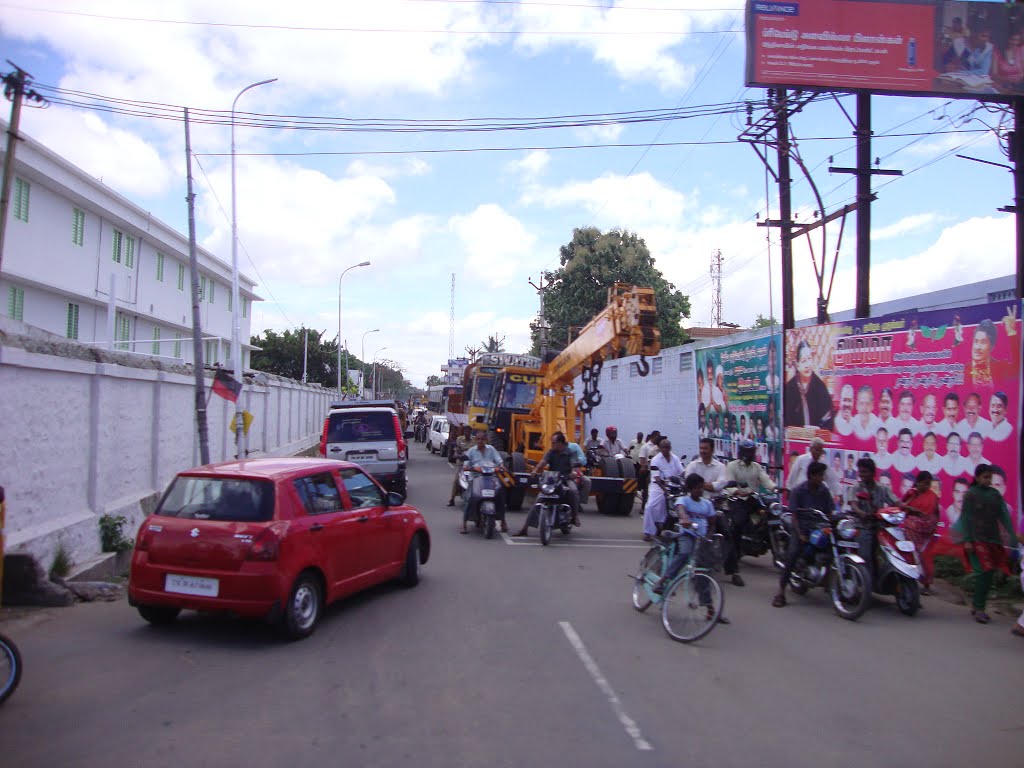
[
  {"x": 692, "y": 607},
  {"x": 647, "y": 574},
  {"x": 10, "y": 668}
]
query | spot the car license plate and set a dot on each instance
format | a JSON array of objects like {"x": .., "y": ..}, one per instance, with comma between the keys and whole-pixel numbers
[
  {"x": 191, "y": 585},
  {"x": 905, "y": 546},
  {"x": 487, "y": 494},
  {"x": 360, "y": 457}
]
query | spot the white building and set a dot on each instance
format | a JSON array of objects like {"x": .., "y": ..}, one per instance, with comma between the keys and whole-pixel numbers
[{"x": 70, "y": 239}]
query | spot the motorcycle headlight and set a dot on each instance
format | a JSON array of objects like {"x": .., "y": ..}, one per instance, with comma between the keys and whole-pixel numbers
[
  {"x": 776, "y": 509},
  {"x": 847, "y": 529},
  {"x": 894, "y": 518},
  {"x": 547, "y": 489}
]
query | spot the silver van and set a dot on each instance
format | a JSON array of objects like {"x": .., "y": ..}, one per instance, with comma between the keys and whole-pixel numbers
[
  {"x": 437, "y": 434},
  {"x": 368, "y": 433}
]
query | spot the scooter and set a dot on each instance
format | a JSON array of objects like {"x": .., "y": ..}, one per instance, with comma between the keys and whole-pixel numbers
[
  {"x": 897, "y": 565},
  {"x": 486, "y": 497}
]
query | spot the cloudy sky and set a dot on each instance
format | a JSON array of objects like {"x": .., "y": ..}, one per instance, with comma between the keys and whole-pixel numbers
[{"x": 492, "y": 206}]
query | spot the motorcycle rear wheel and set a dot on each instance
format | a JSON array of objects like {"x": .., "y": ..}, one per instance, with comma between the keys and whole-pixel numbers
[
  {"x": 691, "y": 607},
  {"x": 854, "y": 604},
  {"x": 908, "y": 597},
  {"x": 489, "y": 527}
]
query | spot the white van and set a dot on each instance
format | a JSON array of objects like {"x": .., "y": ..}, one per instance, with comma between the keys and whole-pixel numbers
[{"x": 368, "y": 433}]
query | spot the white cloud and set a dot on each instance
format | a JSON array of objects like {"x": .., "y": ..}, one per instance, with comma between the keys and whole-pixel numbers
[
  {"x": 904, "y": 226},
  {"x": 640, "y": 200},
  {"x": 531, "y": 165},
  {"x": 406, "y": 167},
  {"x": 601, "y": 134},
  {"x": 496, "y": 244}
]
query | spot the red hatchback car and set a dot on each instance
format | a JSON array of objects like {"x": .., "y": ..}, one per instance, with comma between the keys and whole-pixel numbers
[{"x": 272, "y": 538}]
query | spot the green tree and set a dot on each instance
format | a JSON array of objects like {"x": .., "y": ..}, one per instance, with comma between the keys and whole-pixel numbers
[
  {"x": 494, "y": 344},
  {"x": 591, "y": 264},
  {"x": 764, "y": 322},
  {"x": 281, "y": 354},
  {"x": 434, "y": 381}
]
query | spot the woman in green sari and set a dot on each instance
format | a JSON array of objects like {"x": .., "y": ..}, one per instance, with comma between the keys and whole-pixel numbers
[{"x": 984, "y": 513}]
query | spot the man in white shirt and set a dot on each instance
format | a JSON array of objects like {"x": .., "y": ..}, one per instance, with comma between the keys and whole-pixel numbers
[
  {"x": 885, "y": 410},
  {"x": 643, "y": 470},
  {"x": 904, "y": 461},
  {"x": 749, "y": 477},
  {"x": 954, "y": 463},
  {"x": 710, "y": 469},
  {"x": 927, "y": 422},
  {"x": 798, "y": 472},
  {"x": 843, "y": 424},
  {"x": 865, "y": 424},
  {"x": 904, "y": 418},
  {"x": 1001, "y": 428},
  {"x": 972, "y": 421},
  {"x": 663, "y": 464},
  {"x": 975, "y": 443},
  {"x": 635, "y": 445},
  {"x": 950, "y": 415},
  {"x": 612, "y": 444},
  {"x": 929, "y": 460},
  {"x": 883, "y": 459}
]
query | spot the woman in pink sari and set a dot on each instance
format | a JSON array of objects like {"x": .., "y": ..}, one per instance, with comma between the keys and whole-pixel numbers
[
  {"x": 1008, "y": 66},
  {"x": 922, "y": 508}
]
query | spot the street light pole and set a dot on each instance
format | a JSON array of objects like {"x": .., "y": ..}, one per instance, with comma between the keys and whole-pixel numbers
[
  {"x": 236, "y": 343},
  {"x": 362, "y": 359},
  {"x": 362, "y": 264},
  {"x": 373, "y": 376}
]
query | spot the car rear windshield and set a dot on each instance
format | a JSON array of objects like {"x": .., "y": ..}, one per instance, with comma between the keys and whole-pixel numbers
[
  {"x": 366, "y": 427},
  {"x": 215, "y": 498}
]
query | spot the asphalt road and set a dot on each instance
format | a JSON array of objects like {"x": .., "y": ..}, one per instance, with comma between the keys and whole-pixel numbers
[{"x": 513, "y": 654}]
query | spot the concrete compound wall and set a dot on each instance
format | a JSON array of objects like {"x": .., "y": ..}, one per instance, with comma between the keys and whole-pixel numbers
[
  {"x": 665, "y": 399},
  {"x": 85, "y": 433}
]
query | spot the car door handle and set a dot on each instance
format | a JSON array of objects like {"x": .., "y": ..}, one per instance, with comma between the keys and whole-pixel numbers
[
  {"x": 363, "y": 519},
  {"x": 316, "y": 527},
  {"x": 335, "y": 450}
]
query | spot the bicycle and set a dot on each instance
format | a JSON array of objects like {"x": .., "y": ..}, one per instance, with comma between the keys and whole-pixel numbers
[
  {"x": 10, "y": 667},
  {"x": 692, "y": 602}
]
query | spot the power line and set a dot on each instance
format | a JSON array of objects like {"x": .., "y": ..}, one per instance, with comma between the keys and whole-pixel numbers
[{"x": 375, "y": 30}]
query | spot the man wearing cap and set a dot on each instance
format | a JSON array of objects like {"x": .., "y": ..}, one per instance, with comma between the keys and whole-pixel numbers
[{"x": 612, "y": 444}]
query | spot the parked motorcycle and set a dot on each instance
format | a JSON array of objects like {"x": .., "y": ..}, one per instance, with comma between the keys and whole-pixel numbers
[
  {"x": 486, "y": 497},
  {"x": 829, "y": 560},
  {"x": 897, "y": 565},
  {"x": 552, "y": 509},
  {"x": 779, "y": 521}
]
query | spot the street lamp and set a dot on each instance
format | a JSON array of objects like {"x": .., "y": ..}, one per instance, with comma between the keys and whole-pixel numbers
[
  {"x": 362, "y": 264},
  {"x": 236, "y": 344},
  {"x": 362, "y": 359},
  {"x": 373, "y": 376}
]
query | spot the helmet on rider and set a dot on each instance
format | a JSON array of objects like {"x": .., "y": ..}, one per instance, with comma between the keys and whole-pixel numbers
[
  {"x": 611, "y": 428},
  {"x": 747, "y": 451}
]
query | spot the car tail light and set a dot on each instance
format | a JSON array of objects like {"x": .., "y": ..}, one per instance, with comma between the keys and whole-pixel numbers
[
  {"x": 323, "y": 437},
  {"x": 144, "y": 537},
  {"x": 266, "y": 546},
  {"x": 401, "y": 439}
]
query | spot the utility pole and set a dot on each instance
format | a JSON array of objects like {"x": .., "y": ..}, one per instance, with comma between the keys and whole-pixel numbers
[
  {"x": 15, "y": 91},
  {"x": 451, "y": 324},
  {"x": 716, "y": 288},
  {"x": 197, "y": 333},
  {"x": 542, "y": 325}
]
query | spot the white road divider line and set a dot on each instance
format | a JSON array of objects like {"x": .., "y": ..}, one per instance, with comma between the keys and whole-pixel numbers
[{"x": 630, "y": 726}]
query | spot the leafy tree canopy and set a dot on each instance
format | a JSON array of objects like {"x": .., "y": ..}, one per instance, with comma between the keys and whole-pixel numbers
[
  {"x": 281, "y": 354},
  {"x": 764, "y": 322},
  {"x": 591, "y": 264},
  {"x": 434, "y": 381}
]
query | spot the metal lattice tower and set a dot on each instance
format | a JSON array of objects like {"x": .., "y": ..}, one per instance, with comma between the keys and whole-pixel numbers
[
  {"x": 716, "y": 288},
  {"x": 451, "y": 324}
]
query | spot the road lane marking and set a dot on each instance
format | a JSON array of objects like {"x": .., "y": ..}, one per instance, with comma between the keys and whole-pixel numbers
[
  {"x": 630, "y": 726},
  {"x": 577, "y": 542}
]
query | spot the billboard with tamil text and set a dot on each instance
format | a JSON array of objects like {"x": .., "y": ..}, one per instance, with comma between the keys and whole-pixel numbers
[
  {"x": 911, "y": 47},
  {"x": 937, "y": 391}
]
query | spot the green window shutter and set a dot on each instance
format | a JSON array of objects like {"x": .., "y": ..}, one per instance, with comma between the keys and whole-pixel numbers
[
  {"x": 16, "y": 303},
  {"x": 72, "y": 321},
  {"x": 202, "y": 287},
  {"x": 177, "y": 343},
  {"x": 129, "y": 252},
  {"x": 230, "y": 301},
  {"x": 21, "y": 195},
  {"x": 245, "y": 307},
  {"x": 160, "y": 267},
  {"x": 212, "y": 286},
  {"x": 78, "y": 226},
  {"x": 181, "y": 277},
  {"x": 116, "y": 242},
  {"x": 156, "y": 340}
]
